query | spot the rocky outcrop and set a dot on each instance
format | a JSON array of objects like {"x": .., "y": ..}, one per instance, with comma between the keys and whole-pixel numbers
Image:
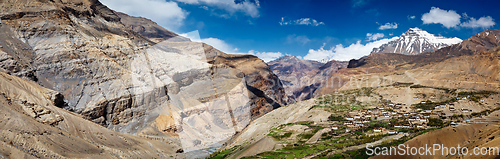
[
  {"x": 265, "y": 88},
  {"x": 31, "y": 126},
  {"x": 293, "y": 71},
  {"x": 148, "y": 28},
  {"x": 122, "y": 80},
  {"x": 297, "y": 74}
]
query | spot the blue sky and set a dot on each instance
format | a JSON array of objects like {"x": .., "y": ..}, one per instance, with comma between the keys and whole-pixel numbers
[{"x": 339, "y": 30}]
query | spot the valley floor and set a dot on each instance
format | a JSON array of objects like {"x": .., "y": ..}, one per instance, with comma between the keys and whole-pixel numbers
[{"x": 342, "y": 124}]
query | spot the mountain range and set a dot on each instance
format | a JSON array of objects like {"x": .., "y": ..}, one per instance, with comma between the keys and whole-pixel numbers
[
  {"x": 469, "y": 67},
  {"x": 416, "y": 41},
  {"x": 79, "y": 80}
]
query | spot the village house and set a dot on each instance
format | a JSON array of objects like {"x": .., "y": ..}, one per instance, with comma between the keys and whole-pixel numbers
[{"x": 420, "y": 126}]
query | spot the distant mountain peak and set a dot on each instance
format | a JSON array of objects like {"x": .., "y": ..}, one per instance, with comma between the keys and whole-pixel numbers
[
  {"x": 325, "y": 60},
  {"x": 416, "y": 41}
]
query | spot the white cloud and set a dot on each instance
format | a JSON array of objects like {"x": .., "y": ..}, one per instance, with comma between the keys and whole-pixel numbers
[
  {"x": 220, "y": 45},
  {"x": 290, "y": 39},
  {"x": 339, "y": 52},
  {"x": 301, "y": 21},
  {"x": 266, "y": 56},
  {"x": 229, "y": 49},
  {"x": 373, "y": 37},
  {"x": 410, "y": 17},
  {"x": 204, "y": 7},
  {"x": 167, "y": 14},
  {"x": 215, "y": 42},
  {"x": 359, "y": 3},
  {"x": 483, "y": 22},
  {"x": 451, "y": 19},
  {"x": 388, "y": 26},
  {"x": 448, "y": 18},
  {"x": 249, "y": 8}
]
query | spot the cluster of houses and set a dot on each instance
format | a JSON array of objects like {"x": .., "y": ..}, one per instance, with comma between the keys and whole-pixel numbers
[{"x": 389, "y": 110}]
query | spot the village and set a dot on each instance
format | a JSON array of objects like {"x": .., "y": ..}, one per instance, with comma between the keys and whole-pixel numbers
[{"x": 389, "y": 118}]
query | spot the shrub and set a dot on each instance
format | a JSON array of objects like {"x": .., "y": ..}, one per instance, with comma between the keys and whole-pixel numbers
[{"x": 435, "y": 122}]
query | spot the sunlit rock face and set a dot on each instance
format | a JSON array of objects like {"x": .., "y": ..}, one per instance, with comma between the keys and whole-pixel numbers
[{"x": 111, "y": 75}]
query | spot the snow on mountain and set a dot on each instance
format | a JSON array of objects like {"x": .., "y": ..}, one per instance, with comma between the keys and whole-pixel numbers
[
  {"x": 416, "y": 41},
  {"x": 325, "y": 60}
]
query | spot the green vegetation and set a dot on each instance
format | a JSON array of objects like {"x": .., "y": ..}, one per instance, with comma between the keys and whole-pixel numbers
[
  {"x": 361, "y": 153},
  {"x": 401, "y": 84},
  {"x": 345, "y": 101},
  {"x": 279, "y": 134},
  {"x": 455, "y": 116},
  {"x": 477, "y": 93},
  {"x": 223, "y": 154},
  {"x": 476, "y": 96},
  {"x": 334, "y": 117},
  {"x": 484, "y": 112},
  {"x": 428, "y": 105},
  {"x": 447, "y": 90},
  {"x": 435, "y": 122}
]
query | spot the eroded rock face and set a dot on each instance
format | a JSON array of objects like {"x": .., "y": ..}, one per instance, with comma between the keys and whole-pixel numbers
[
  {"x": 148, "y": 28},
  {"x": 298, "y": 75},
  {"x": 122, "y": 80},
  {"x": 31, "y": 126}
]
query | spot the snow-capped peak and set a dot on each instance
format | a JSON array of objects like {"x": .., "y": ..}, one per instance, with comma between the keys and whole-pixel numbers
[
  {"x": 325, "y": 60},
  {"x": 416, "y": 41}
]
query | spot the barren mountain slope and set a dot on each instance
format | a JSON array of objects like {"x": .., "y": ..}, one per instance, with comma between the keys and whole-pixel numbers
[
  {"x": 390, "y": 62},
  {"x": 31, "y": 126},
  {"x": 121, "y": 80},
  {"x": 148, "y": 28},
  {"x": 296, "y": 73}
]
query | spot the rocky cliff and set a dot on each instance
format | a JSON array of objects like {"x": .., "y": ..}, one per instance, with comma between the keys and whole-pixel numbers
[
  {"x": 131, "y": 83},
  {"x": 297, "y": 75},
  {"x": 148, "y": 28}
]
